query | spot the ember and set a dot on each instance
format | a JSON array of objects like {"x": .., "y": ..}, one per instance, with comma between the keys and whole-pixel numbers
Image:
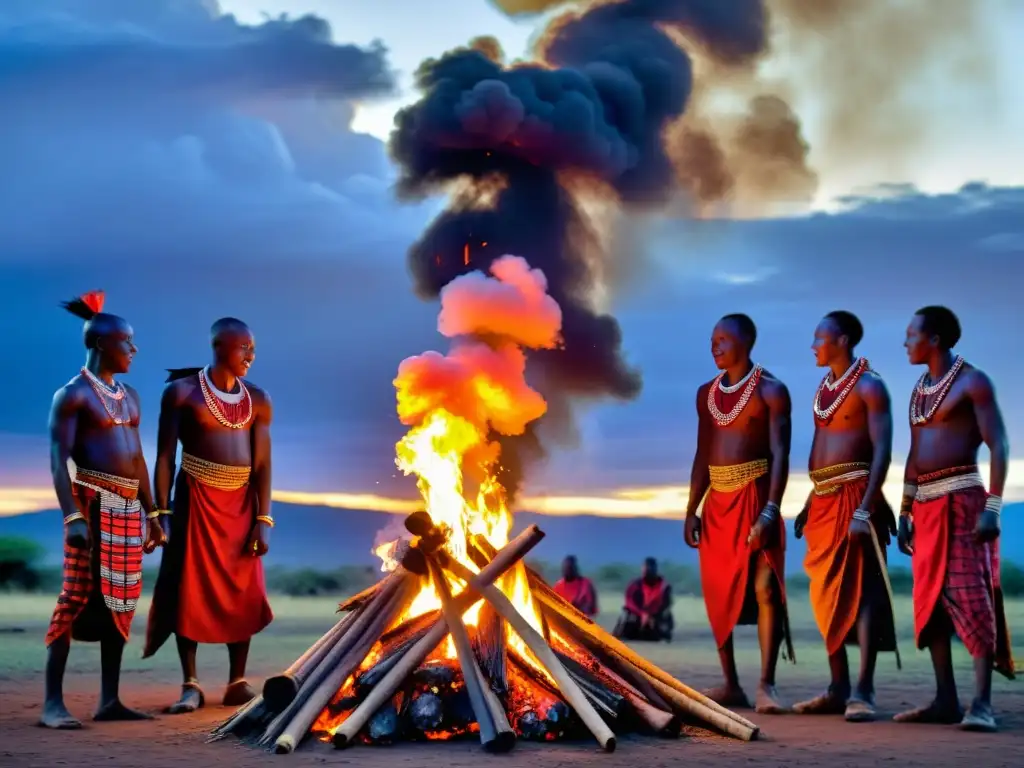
[{"x": 460, "y": 638}]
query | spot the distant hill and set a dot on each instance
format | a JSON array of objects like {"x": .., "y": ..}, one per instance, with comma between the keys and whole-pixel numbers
[{"x": 324, "y": 538}]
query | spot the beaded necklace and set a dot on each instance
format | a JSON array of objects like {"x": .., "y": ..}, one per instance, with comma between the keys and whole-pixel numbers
[
  {"x": 751, "y": 381},
  {"x": 111, "y": 397},
  {"x": 848, "y": 381},
  {"x": 232, "y": 415},
  {"x": 940, "y": 389}
]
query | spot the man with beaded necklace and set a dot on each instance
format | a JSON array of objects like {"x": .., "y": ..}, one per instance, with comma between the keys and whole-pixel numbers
[
  {"x": 846, "y": 519},
  {"x": 211, "y": 586},
  {"x": 101, "y": 482},
  {"x": 949, "y": 524},
  {"x": 741, "y": 465}
]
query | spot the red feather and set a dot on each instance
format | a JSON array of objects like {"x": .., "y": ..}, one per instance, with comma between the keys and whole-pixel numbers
[{"x": 94, "y": 300}]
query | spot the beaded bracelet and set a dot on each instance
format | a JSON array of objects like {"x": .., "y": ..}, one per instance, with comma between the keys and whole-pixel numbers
[
  {"x": 909, "y": 490},
  {"x": 863, "y": 515},
  {"x": 153, "y": 514},
  {"x": 770, "y": 511},
  {"x": 74, "y": 516},
  {"x": 267, "y": 519},
  {"x": 994, "y": 504}
]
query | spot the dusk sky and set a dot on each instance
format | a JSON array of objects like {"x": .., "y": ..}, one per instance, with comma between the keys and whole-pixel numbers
[{"x": 255, "y": 182}]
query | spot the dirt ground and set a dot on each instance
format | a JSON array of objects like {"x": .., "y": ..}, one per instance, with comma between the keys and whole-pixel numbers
[{"x": 179, "y": 742}]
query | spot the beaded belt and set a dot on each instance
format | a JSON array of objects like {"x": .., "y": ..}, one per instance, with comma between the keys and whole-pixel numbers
[
  {"x": 105, "y": 483},
  {"x": 828, "y": 480},
  {"x": 222, "y": 476},
  {"x": 735, "y": 476},
  {"x": 935, "y": 485}
]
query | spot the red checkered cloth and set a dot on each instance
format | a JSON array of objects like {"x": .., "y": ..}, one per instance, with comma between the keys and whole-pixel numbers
[{"x": 113, "y": 562}]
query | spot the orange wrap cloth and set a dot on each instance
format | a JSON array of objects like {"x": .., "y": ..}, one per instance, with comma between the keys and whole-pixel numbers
[
  {"x": 102, "y": 584},
  {"x": 839, "y": 566},
  {"x": 737, "y": 496},
  {"x": 949, "y": 566},
  {"x": 210, "y": 588}
]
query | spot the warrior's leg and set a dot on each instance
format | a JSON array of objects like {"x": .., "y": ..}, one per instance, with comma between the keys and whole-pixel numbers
[
  {"x": 729, "y": 694},
  {"x": 981, "y": 717},
  {"x": 111, "y": 708},
  {"x": 945, "y": 708},
  {"x": 861, "y": 707},
  {"x": 191, "y": 694},
  {"x": 55, "y": 714},
  {"x": 769, "y": 633},
  {"x": 238, "y": 691}
]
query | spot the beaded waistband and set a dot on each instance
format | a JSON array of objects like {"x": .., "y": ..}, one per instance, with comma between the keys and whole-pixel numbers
[
  {"x": 736, "y": 476},
  {"x": 942, "y": 482},
  {"x": 828, "y": 480},
  {"x": 222, "y": 476},
  {"x": 101, "y": 481}
]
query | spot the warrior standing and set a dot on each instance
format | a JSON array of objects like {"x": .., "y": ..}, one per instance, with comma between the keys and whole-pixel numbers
[
  {"x": 211, "y": 586},
  {"x": 846, "y": 520},
  {"x": 741, "y": 464},
  {"x": 102, "y": 485},
  {"x": 949, "y": 524}
]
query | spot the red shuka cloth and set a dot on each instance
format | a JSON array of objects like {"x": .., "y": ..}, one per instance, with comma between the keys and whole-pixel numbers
[
  {"x": 210, "y": 589},
  {"x": 836, "y": 563},
  {"x": 948, "y": 565},
  {"x": 579, "y": 593},
  {"x": 726, "y": 558}
]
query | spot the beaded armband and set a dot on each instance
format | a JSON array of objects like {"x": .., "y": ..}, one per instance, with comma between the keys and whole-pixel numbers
[
  {"x": 994, "y": 504},
  {"x": 770, "y": 512},
  {"x": 907, "y": 502},
  {"x": 863, "y": 515},
  {"x": 266, "y": 519},
  {"x": 73, "y": 517},
  {"x": 153, "y": 514}
]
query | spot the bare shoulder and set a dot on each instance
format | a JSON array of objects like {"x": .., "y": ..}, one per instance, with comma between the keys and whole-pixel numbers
[
  {"x": 260, "y": 398},
  {"x": 774, "y": 392},
  {"x": 871, "y": 388},
  {"x": 72, "y": 394},
  {"x": 132, "y": 393},
  {"x": 177, "y": 391},
  {"x": 978, "y": 384}
]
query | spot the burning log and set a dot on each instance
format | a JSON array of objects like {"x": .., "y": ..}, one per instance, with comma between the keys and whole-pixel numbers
[
  {"x": 393, "y": 645},
  {"x": 538, "y": 647},
  {"x": 690, "y": 701},
  {"x": 493, "y": 739},
  {"x": 536, "y": 719},
  {"x": 509, "y": 555},
  {"x": 280, "y": 691},
  {"x": 344, "y": 659},
  {"x": 426, "y": 712}
]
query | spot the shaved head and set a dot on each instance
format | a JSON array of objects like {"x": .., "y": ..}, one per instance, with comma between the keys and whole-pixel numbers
[
  {"x": 227, "y": 325},
  {"x": 234, "y": 346}
]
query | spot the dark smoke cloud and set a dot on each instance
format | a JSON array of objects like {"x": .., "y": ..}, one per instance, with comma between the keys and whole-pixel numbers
[{"x": 525, "y": 146}]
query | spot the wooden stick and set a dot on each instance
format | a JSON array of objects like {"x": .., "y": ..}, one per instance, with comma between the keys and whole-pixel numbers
[
  {"x": 364, "y": 597},
  {"x": 658, "y": 719},
  {"x": 509, "y": 555},
  {"x": 279, "y": 691},
  {"x": 539, "y": 648},
  {"x": 467, "y": 661},
  {"x": 501, "y": 723},
  {"x": 236, "y": 719},
  {"x": 378, "y": 619},
  {"x": 613, "y": 644},
  {"x": 694, "y": 708}
]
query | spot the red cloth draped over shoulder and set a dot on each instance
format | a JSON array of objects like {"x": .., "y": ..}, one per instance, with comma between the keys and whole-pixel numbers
[
  {"x": 950, "y": 566},
  {"x": 726, "y": 558}
]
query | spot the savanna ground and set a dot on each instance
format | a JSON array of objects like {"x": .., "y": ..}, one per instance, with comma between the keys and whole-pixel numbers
[{"x": 177, "y": 742}]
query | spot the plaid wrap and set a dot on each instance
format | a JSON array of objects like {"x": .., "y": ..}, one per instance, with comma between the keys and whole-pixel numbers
[{"x": 113, "y": 562}]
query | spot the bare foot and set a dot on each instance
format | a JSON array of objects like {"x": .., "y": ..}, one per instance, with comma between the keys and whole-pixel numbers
[
  {"x": 860, "y": 709},
  {"x": 238, "y": 693},
  {"x": 828, "y": 703},
  {"x": 932, "y": 714},
  {"x": 115, "y": 710},
  {"x": 979, "y": 717},
  {"x": 191, "y": 699},
  {"x": 55, "y": 715},
  {"x": 767, "y": 701},
  {"x": 728, "y": 696}
]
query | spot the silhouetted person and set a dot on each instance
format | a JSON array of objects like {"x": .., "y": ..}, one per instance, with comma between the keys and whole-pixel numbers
[{"x": 575, "y": 588}]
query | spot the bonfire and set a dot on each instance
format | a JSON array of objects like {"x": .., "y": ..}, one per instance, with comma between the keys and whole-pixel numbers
[{"x": 461, "y": 638}]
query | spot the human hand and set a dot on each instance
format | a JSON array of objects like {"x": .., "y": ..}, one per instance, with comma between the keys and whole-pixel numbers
[
  {"x": 905, "y": 535},
  {"x": 259, "y": 540},
  {"x": 800, "y": 522},
  {"x": 987, "y": 529},
  {"x": 155, "y": 536},
  {"x": 764, "y": 523},
  {"x": 76, "y": 534},
  {"x": 692, "y": 531}
]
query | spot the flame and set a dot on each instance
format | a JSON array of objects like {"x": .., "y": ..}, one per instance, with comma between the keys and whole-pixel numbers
[{"x": 454, "y": 403}]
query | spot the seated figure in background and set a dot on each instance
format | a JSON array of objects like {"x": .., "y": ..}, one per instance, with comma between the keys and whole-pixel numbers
[
  {"x": 575, "y": 589},
  {"x": 647, "y": 613}
]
